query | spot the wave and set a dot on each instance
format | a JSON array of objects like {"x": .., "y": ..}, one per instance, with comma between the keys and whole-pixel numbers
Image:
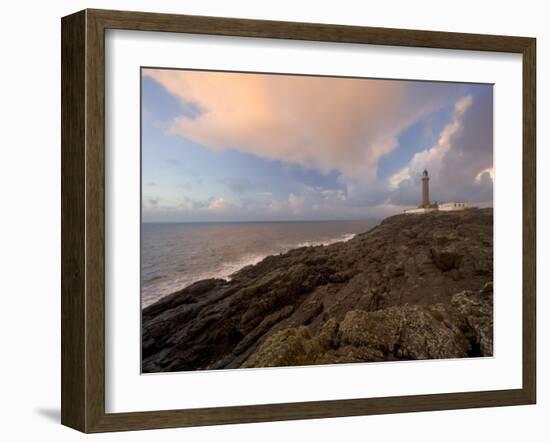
[
  {"x": 226, "y": 269},
  {"x": 256, "y": 258},
  {"x": 342, "y": 238},
  {"x": 223, "y": 271}
]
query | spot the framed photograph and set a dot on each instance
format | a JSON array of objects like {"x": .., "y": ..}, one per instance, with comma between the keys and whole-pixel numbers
[{"x": 267, "y": 220}]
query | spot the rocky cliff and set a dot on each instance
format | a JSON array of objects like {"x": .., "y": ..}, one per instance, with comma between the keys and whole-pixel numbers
[{"x": 413, "y": 287}]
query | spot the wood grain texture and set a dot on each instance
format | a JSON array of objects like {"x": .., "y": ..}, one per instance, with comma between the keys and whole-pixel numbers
[
  {"x": 83, "y": 220},
  {"x": 144, "y": 21},
  {"x": 73, "y": 128},
  {"x": 95, "y": 222},
  {"x": 529, "y": 220}
]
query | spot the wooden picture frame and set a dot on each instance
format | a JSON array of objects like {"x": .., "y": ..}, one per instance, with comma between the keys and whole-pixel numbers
[{"x": 83, "y": 220}]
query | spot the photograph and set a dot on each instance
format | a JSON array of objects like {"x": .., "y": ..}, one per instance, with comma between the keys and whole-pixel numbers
[
  {"x": 254, "y": 222},
  {"x": 295, "y": 220}
]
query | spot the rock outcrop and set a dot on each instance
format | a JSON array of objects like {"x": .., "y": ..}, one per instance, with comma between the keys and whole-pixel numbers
[{"x": 413, "y": 287}]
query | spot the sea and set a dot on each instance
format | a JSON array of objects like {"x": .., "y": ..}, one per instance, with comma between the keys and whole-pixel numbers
[{"x": 175, "y": 255}]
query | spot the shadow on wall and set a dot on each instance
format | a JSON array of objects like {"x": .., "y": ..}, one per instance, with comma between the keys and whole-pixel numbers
[{"x": 51, "y": 414}]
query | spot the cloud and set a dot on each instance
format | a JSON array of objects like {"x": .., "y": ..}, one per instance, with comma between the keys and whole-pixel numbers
[
  {"x": 337, "y": 128},
  {"x": 198, "y": 204},
  {"x": 483, "y": 175},
  {"x": 317, "y": 201},
  {"x": 240, "y": 185},
  {"x": 398, "y": 177},
  {"x": 432, "y": 158},
  {"x": 316, "y": 122},
  {"x": 217, "y": 204},
  {"x": 460, "y": 163}
]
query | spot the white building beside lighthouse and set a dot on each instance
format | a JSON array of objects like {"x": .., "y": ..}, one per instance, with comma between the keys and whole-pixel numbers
[{"x": 426, "y": 206}]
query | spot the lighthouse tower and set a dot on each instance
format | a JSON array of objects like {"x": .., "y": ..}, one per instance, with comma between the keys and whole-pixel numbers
[
  {"x": 426, "y": 207},
  {"x": 425, "y": 190}
]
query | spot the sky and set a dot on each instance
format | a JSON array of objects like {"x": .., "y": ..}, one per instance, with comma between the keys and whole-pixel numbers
[{"x": 224, "y": 146}]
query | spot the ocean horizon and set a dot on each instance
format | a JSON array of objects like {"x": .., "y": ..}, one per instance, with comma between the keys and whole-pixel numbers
[
  {"x": 371, "y": 220},
  {"x": 177, "y": 254}
]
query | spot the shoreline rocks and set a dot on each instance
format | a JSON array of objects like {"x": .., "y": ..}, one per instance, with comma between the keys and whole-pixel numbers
[{"x": 413, "y": 287}]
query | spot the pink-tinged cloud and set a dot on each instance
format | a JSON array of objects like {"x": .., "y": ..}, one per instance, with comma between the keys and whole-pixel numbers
[
  {"x": 318, "y": 122},
  {"x": 217, "y": 204}
]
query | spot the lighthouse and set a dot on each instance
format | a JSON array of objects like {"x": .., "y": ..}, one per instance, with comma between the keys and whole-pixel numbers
[
  {"x": 425, "y": 190},
  {"x": 426, "y": 207}
]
